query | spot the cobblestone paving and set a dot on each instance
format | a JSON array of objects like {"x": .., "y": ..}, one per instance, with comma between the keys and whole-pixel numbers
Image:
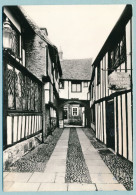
[
  {"x": 91, "y": 136},
  {"x": 121, "y": 168},
  {"x": 76, "y": 168},
  {"x": 36, "y": 160}
]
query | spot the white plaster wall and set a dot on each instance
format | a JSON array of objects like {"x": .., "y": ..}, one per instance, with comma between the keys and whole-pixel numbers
[
  {"x": 67, "y": 94},
  {"x": 63, "y": 93},
  {"x": 80, "y": 95},
  {"x": 46, "y": 86},
  {"x": 47, "y": 93},
  {"x": 57, "y": 83}
]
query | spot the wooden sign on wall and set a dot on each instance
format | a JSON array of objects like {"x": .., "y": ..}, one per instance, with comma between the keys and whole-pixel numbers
[{"x": 119, "y": 81}]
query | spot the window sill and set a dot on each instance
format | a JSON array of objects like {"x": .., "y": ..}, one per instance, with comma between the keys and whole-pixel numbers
[{"x": 76, "y": 91}]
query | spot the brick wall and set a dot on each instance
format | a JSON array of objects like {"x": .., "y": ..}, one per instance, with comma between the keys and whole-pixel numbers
[{"x": 35, "y": 56}]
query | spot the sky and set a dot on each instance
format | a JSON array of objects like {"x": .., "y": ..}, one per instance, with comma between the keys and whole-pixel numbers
[{"x": 80, "y": 30}]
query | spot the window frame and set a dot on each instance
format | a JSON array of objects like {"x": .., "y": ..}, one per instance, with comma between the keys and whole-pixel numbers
[
  {"x": 62, "y": 84},
  {"x": 16, "y": 50},
  {"x": 76, "y": 111},
  {"x": 119, "y": 54},
  {"x": 76, "y": 83},
  {"x": 26, "y": 92},
  {"x": 99, "y": 73}
]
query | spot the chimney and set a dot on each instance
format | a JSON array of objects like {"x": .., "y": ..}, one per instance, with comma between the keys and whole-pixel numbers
[
  {"x": 44, "y": 31},
  {"x": 60, "y": 54}
]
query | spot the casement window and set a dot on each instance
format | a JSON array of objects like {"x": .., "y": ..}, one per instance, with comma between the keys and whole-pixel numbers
[
  {"x": 16, "y": 44},
  {"x": 74, "y": 111},
  {"x": 85, "y": 84},
  {"x": 98, "y": 74},
  {"x": 61, "y": 84},
  {"x": 23, "y": 92},
  {"x": 76, "y": 86},
  {"x": 117, "y": 55}
]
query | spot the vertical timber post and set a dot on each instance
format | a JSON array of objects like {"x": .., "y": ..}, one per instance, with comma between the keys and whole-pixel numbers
[
  {"x": 44, "y": 133},
  {"x": 5, "y": 102}
]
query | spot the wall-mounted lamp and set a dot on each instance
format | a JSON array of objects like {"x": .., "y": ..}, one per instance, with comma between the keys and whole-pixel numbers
[{"x": 8, "y": 35}]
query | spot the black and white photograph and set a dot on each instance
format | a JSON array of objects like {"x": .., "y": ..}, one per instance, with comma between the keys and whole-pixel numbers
[{"x": 67, "y": 98}]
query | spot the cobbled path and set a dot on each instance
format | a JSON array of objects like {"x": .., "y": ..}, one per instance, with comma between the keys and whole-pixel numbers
[
  {"x": 121, "y": 168},
  {"x": 38, "y": 158},
  {"x": 76, "y": 168}
]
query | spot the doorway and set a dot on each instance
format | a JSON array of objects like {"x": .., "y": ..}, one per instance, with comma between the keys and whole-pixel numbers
[
  {"x": 65, "y": 113},
  {"x": 110, "y": 124}
]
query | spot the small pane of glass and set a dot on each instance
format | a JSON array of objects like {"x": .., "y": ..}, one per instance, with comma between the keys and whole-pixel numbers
[
  {"x": 78, "y": 87},
  {"x": 73, "y": 87},
  {"x": 74, "y": 112},
  {"x": 32, "y": 95},
  {"x": 18, "y": 81},
  {"x": 11, "y": 89}
]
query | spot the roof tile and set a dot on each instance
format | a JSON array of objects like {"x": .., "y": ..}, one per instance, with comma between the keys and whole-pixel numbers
[{"x": 76, "y": 69}]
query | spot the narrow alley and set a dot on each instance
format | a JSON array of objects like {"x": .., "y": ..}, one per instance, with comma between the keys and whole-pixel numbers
[
  {"x": 67, "y": 112},
  {"x": 87, "y": 171}
]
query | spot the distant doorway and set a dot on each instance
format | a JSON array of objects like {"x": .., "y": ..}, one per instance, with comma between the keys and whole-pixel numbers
[
  {"x": 110, "y": 125},
  {"x": 74, "y": 115},
  {"x": 65, "y": 113}
]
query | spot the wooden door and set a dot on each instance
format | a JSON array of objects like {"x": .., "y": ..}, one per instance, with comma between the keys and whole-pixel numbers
[{"x": 110, "y": 125}]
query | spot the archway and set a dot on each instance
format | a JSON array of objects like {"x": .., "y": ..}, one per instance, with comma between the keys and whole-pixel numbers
[{"x": 74, "y": 113}]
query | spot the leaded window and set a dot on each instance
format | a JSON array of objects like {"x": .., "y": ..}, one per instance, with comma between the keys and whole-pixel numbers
[
  {"x": 18, "y": 95},
  {"x": 36, "y": 97},
  {"x": 23, "y": 92},
  {"x": 39, "y": 98},
  {"x": 28, "y": 92},
  {"x": 98, "y": 74},
  {"x": 11, "y": 89},
  {"x": 117, "y": 55},
  {"x": 122, "y": 50},
  {"x": 16, "y": 43}
]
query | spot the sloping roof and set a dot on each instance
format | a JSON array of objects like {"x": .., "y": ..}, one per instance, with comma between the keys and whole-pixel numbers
[
  {"x": 52, "y": 48},
  {"x": 76, "y": 69},
  {"x": 27, "y": 22},
  {"x": 35, "y": 27}
]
